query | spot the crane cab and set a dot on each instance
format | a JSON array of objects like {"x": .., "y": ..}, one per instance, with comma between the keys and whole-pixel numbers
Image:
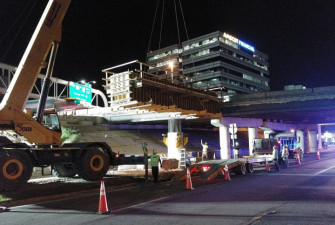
[{"x": 50, "y": 120}]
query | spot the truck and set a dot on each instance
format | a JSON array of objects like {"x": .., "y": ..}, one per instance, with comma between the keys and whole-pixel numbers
[
  {"x": 32, "y": 138},
  {"x": 263, "y": 146}
]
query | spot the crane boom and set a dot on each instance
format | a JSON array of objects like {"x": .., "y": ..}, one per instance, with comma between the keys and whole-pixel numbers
[{"x": 47, "y": 31}]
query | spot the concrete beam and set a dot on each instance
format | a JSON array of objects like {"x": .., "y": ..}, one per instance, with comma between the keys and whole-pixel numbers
[
  {"x": 241, "y": 122},
  {"x": 279, "y": 126}
]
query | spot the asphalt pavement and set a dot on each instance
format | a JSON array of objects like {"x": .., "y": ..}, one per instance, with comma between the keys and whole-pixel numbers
[{"x": 301, "y": 194}]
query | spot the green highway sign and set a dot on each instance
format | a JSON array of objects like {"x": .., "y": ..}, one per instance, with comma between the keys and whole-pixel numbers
[{"x": 81, "y": 92}]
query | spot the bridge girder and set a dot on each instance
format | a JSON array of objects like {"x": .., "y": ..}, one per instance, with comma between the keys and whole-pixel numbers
[{"x": 309, "y": 106}]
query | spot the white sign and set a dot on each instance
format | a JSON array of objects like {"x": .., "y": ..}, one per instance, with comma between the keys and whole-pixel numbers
[
  {"x": 233, "y": 136},
  {"x": 232, "y": 128},
  {"x": 239, "y": 42},
  {"x": 230, "y": 38}
]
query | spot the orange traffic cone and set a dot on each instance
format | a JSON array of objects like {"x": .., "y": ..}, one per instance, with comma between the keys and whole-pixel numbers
[
  {"x": 267, "y": 167},
  {"x": 298, "y": 159},
  {"x": 226, "y": 173},
  {"x": 103, "y": 208},
  {"x": 318, "y": 155},
  {"x": 188, "y": 180},
  {"x": 214, "y": 156}
]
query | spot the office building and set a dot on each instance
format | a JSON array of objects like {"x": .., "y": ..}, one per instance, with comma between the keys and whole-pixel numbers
[{"x": 218, "y": 58}]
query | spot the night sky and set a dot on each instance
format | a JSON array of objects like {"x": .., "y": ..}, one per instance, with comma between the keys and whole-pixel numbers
[{"x": 298, "y": 35}]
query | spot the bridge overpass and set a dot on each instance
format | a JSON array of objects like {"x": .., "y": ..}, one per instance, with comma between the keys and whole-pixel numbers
[
  {"x": 306, "y": 106},
  {"x": 303, "y": 110}
]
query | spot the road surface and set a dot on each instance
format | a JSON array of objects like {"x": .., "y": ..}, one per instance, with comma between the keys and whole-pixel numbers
[{"x": 302, "y": 194}]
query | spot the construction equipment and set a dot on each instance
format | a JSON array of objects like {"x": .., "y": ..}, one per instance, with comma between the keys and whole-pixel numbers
[
  {"x": 264, "y": 146},
  {"x": 289, "y": 138},
  {"x": 32, "y": 139}
]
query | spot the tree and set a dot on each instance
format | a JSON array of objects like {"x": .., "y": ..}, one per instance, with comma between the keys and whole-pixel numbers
[{"x": 70, "y": 135}]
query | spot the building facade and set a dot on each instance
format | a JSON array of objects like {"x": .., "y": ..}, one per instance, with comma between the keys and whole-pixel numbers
[{"x": 217, "y": 58}]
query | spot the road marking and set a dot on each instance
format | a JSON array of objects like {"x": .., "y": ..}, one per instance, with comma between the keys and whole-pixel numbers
[
  {"x": 324, "y": 170},
  {"x": 42, "y": 179},
  {"x": 140, "y": 204},
  {"x": 292, "y": 174}
]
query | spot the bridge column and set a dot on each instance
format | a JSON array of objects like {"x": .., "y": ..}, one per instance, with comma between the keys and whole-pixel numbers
[
  {"x": 224, "y": 142},
  {"x": 319, "y": 137},
  {"x": 224, "y": 138},
  {"x": 312, "y": 141},
  {"x": 300, "y": 139},
  {"x": 252, "y": 134},
  {"x": 175, "y": 137}
]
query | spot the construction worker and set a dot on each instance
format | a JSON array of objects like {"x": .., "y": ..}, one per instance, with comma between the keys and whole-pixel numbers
[
  {"x": 284, "y": 155},
  {"x": 299, "y": 151},
  {"x": 275, "y": 156},
  {"x": 204, "y": 150},
  {"x": 155, "y": 160}
]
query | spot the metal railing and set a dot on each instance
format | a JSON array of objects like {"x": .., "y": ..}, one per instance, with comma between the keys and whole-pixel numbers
[{"x": 59, "y": 88}]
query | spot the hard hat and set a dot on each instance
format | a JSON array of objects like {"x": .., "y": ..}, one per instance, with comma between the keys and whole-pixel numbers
[{"x": 154, "y": 151}]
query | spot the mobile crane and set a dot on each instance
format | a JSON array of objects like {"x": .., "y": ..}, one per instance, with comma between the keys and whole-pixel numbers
[{"x": 28, "y": 140}]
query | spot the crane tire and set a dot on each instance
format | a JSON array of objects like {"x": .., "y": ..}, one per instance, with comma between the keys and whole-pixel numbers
[
  {"x": 63, "y": 170},
  {"x": 15, "y": 169},
  {"x": 93, "y": 163}
]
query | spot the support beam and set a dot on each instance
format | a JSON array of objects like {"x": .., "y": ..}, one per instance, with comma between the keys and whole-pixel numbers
[
  {"x": 175, "y": 139},
  {"x": 224, "y": 138},
  {"x": 312, "y": 141},
  {"x": 224, "y": 142},
  {"x": 300, "y": 139},
  {"x": 319, "y": 137}
]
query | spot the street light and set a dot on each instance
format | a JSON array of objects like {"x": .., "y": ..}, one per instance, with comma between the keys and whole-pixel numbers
[
  {"x": 171, "y": 66},
  {"x": 81, "y": 82},
  {"x": 89, "y": 82}
]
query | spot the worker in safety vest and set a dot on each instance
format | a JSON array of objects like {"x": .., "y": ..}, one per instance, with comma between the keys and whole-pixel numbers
[
  {"x": 154, "y": 159},
  {"x": 204, "y": 150},
  {"x": 299, "y": 151},
  {"x": 275, "y": 155},
  {"x": 284, "y": 155}
]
